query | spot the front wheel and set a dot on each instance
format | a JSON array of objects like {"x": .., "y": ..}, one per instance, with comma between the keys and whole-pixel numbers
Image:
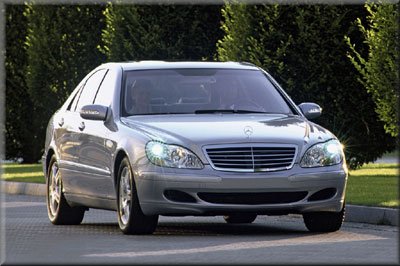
[
  {"x": 58, "y": 210},
  {"x": 324, "y": 221},
  {"x": 131, "y": 219}
]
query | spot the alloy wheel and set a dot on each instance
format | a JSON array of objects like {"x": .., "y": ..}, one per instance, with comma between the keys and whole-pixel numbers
[
  {"x": 54, "y": 190},
  {"x": 125, "y": 195}
]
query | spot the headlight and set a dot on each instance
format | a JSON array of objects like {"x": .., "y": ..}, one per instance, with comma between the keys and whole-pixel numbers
[
  {"x": 162, "y": 154},
  {"x": 323, "y": 154}
]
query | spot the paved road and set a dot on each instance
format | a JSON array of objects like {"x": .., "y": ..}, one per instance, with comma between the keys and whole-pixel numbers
[{"x": 30, "y": 238}]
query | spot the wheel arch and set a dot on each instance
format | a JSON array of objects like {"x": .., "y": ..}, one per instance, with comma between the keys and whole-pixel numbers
[
  {"x": 49, "y": 154},
  {"x": 121, "y": 154}
]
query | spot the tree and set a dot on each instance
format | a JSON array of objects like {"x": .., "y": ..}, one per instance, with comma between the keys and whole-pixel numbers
[
  {"x": 380, "y": 68},
  {"x": 304, "y": 48},
  {"x": 19, "y": 106},
  {"x": 161, "y": 32},
  {"x": 61, "y": 47}
]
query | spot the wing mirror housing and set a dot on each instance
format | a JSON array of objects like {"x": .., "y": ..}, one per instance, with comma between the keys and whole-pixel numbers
[
  {"x": 310, "y": 110},
  {"x": 94, "y": 112}
]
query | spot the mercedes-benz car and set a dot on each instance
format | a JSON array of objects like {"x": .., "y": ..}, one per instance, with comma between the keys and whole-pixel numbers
[{"x": 154, "y": 138}]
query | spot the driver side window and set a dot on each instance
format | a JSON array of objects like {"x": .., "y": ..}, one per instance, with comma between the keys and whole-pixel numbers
[{"x": 89, "y": 90}]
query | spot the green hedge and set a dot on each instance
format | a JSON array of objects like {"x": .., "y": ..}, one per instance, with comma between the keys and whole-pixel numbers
[{"x": 304, "y": 47}]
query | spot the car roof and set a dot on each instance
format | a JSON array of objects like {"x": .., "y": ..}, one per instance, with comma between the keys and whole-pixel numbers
[{"x": 136, "y": 65}]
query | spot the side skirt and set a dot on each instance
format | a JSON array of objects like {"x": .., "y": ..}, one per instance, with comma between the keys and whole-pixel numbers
[{"x": 75, "y": 200}]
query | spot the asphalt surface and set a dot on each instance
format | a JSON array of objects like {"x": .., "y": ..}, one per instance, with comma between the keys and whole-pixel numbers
[{"x": 31, "y": 239}]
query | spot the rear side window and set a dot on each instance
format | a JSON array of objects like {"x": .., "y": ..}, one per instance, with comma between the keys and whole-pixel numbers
[
  {"x": 90, "y": 88},
  {"x": 72, "y": 103}
]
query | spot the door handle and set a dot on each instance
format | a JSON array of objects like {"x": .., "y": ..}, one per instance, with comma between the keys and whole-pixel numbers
[
  {"x": 61, "y": 122},
  {"x": 82, "y": 126}
]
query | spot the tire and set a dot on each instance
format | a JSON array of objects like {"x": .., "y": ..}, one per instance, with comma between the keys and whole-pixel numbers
[
  {"x": 131, "y": 219},
  {"x": 324, "y": 221},
  {"x": 240, "y": 218},
  {"x": 58, "y": 210}
]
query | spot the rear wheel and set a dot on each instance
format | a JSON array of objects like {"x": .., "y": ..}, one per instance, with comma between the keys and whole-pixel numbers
[
  {"x": 324, "y": 221},
  {"x": 131, "y": 219},
  {"x": 240, "y": 218},
  {"x": 58, "y": 210}
]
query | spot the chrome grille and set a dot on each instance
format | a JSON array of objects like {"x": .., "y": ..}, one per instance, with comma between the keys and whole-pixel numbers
[{"x": 251, "y": 158}]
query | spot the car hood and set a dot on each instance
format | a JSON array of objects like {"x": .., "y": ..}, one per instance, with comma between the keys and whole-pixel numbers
[{"x": 197, "y": 130}]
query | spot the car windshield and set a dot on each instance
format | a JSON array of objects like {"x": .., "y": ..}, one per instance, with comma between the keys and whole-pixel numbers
[{"x": 199, "y": 91}]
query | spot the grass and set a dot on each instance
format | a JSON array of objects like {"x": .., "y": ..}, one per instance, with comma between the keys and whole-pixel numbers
[
  {"x": 31, "y": 173},
  {"x": 372, "y": 185}
]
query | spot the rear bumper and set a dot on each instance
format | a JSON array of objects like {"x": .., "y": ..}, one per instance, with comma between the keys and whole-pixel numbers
[{"x": 153, "y": 185}]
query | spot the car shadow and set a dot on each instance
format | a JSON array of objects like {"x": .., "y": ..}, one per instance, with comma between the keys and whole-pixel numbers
[
  {"x": 208, "y": 229},
  {"x": 226, "y": 229}
]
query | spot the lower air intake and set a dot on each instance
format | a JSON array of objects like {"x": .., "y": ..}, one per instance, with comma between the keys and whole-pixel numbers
[
  {"x": 252, "y": 198},
  {"x": 179, "y": 196}
]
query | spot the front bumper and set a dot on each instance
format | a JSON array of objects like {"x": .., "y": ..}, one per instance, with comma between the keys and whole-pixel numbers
[{"x": 153, "y": 184}]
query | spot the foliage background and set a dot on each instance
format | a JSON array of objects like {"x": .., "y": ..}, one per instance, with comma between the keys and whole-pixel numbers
[
  {"x": 380, "y": 68},
  {"x": 304, "y": 47},
  {"x": 49, "y": 49},
  {"x": 160, "y": 32}
]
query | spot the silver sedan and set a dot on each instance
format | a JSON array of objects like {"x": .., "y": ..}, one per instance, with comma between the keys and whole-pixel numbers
[{"x": 157, "y": 138}]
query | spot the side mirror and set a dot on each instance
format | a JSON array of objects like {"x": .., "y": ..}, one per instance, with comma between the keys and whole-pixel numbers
[
  {"x": 94, "y": 112},
  {"x": 310, "y": 110}
]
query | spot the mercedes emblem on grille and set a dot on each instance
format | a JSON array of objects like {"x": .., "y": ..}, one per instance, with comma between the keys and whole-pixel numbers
[{"x": 248, "y": 131}]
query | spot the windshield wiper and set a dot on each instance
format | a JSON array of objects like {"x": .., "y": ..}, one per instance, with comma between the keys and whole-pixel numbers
[{"x": 228, "y": 111}]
